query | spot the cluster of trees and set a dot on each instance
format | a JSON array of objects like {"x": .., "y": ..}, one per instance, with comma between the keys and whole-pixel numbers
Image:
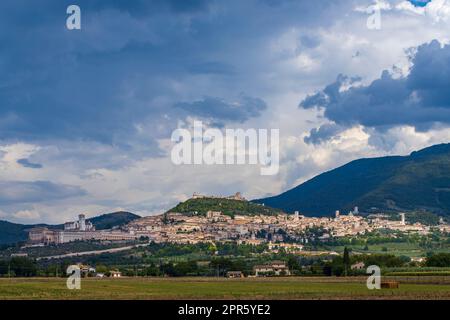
[
  {"x": 341, "y": 265},
  {"x": 163, "y": 250},
  {"x": 216, "y": 267},
  {"x": 178, "y": 260},
  {"x": 438, "y": 260},
  {"x": 374, "y": 238},
  {"x": 169, "y": 249},
  {"x": 24, "y": 267},
  {"x": 227, "y": 206},
  {"x": 18, "y": 267}
]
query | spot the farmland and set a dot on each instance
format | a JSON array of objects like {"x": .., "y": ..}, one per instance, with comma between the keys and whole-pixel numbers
[{"x": 221, "y": 288}]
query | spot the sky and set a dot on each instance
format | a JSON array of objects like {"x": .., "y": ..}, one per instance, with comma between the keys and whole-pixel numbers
[{"x": 86, "y": 116}]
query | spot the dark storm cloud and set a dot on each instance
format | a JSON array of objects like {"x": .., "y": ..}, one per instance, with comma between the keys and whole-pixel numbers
[
  {"x": 323, "y": 133},
  {"x": 126, "y": 66},
  {"x": 216, "y": 108},
  {"x": 19, "y": 192},
  {"x": 421, "y": 99},
  {"x": 211, "y": 68},
  {"x": 102, "y": 97},
  {"x": 27, "y": 164}
]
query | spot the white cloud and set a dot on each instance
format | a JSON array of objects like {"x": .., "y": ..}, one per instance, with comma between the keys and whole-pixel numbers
[
  {"x": 437, "y": 10},
  {"x": 13, "y": 152},
  {"x": 27, "y": 215}
]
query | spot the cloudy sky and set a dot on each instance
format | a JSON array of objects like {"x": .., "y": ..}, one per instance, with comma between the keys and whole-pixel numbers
[{"x": 86, "y": 115}]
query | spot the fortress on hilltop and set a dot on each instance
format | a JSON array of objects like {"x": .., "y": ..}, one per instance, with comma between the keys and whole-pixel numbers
[{"x": 237, "y": 196}]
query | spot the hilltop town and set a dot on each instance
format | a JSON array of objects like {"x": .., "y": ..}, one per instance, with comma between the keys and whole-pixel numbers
[{"x": 194, "y": 227}]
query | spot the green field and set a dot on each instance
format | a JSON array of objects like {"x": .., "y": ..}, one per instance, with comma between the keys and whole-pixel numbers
[{"x": 219, "y": 288}]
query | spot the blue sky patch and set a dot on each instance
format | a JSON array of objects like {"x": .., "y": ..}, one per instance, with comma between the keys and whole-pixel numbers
[{"x": 420, "y": 3}]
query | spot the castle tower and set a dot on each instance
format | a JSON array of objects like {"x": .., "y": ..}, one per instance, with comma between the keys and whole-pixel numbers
[
  {"x": 403, "y": 221},
  {"x": 337, "y": 214},
  {"x": 82, "y": 222}
]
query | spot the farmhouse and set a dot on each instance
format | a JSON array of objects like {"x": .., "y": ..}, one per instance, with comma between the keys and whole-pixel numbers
[
  {"x": 358, "y": 266},
  {"x": 115, "y": 274},
  {"x": 235, "y": 274}
]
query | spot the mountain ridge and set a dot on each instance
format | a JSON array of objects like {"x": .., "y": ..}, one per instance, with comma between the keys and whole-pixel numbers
[{"x": 416, "y": 182}]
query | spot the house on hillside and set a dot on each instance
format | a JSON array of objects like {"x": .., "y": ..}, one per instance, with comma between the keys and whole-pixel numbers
[
  {"x": 235, "y": 274},
  {"x": 115, "y": 274},
  {"x": 358, "y": 266},
  {"x": 86, "y": 270}
]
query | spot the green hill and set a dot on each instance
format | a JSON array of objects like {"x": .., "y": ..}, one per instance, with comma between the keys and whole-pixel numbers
[
  {"x": 226, "y": 206},
  {"x": 418, "y": 182},
  {"x": 13, "y": 232},
  {"x": 111, "y": 220}
]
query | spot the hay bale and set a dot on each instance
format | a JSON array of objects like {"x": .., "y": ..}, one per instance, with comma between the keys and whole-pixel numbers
[{"x": 389, "y": 285}]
